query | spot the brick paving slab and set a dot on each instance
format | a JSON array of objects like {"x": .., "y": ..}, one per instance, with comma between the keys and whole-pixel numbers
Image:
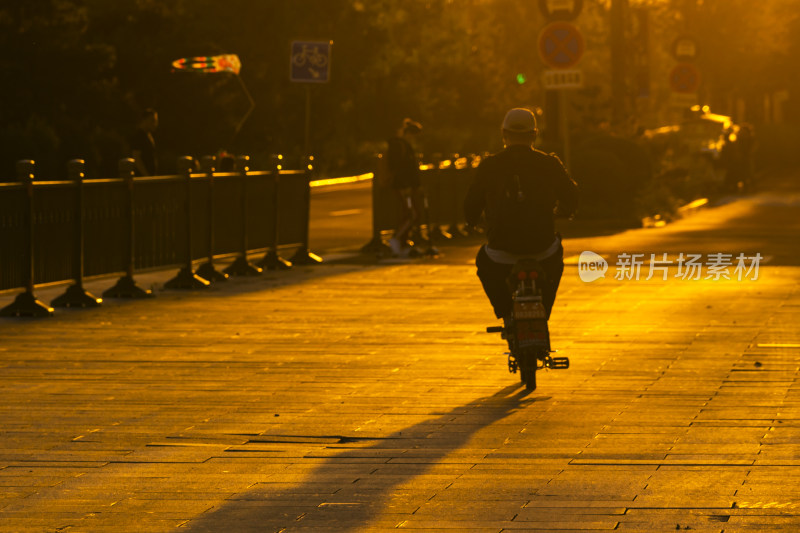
[{"x": 362, "y": 397}]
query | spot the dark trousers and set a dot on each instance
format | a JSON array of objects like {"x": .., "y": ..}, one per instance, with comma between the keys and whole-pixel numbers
[
  {"x": 494, "y": 277},
  {"x": 408, "y": 203}
]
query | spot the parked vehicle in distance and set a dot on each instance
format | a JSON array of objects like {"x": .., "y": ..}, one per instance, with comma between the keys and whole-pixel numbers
[{"x": 697, "y": 150}]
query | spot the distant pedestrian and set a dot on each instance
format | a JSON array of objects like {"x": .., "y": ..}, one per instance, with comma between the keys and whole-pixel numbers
[
  {"x": 143, "y": 144},
  {"x": 403, "y": 166}
]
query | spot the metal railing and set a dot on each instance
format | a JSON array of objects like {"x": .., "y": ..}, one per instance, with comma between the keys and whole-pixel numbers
[
  {"x": 444, "y": 185},
  {"x": 56, "y": 231}
]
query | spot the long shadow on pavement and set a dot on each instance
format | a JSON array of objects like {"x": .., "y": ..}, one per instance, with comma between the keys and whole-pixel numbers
[{"x": 360, "y": 484}]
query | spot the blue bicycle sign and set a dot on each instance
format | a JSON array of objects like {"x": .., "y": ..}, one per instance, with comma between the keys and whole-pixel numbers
[{"x": 310, "y": 61}]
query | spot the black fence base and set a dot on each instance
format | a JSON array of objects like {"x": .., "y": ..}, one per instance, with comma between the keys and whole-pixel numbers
[
  {"x": 431, "y": 251},
  {"x": 242, "y": 267},
  {"x": 26, "y": 304},
  {"x": 187, "y": 279},
  {"x": 77, "y": 296},
  {"x": 457, "y": 232},
  {"x": 126, "y": 287},
  {"x": 419, "y": 241},
  {"x": 376, "y": 246},
  {"x": 208, "y": 272},
  {"x": 304, "y": 257},
  {"x": 272, "y": 261},
  {"x": 437, "y": 232},
  {"x": 473, "y": 231}
]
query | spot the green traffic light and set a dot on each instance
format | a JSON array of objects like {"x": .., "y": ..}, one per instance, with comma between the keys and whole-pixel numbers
[{"x": 521, "y": 78}]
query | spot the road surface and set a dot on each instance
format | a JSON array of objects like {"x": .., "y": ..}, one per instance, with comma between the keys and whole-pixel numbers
[{"x": 364, "y": 396}]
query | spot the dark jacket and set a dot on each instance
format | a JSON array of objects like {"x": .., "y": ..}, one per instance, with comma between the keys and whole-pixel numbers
[
  {"x": 402, "y": 163},
  {"x": 519, "y": 189}
]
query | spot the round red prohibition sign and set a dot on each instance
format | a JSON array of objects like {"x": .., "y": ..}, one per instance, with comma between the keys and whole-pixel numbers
[
  {"x": 684, "y": 78},
  {"x": 561, "y": 45}
]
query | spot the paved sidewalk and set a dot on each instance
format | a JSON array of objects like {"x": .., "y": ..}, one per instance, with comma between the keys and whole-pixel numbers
[{"x": 355, "y": 397}]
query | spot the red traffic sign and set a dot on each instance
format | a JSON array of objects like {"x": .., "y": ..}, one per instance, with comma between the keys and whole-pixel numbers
[
  {"x": 561, "y": 45},
  {"x": 684, "y": 78}
]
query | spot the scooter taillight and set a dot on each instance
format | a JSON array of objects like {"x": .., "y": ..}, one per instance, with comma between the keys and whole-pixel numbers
[{"x": 522, "y": 275}]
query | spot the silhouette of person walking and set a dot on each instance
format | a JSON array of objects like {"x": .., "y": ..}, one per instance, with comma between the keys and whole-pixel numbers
[
  {"x": 404, "y": 170},
  {"x": 143, "y": 144}
]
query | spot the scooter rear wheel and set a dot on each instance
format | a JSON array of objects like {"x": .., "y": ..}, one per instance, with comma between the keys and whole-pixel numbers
[
  {"x": 527, "y": 371},
  {"x": 530, "y": 379}
]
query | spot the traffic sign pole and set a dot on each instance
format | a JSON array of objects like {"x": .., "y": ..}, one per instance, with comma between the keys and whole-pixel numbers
[
  {"x": 564, "y": 127},
  {"x": 307, "y": 142}
]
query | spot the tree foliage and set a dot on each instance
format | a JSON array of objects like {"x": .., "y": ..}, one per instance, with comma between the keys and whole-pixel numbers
[{"x": 80, "y": 71}]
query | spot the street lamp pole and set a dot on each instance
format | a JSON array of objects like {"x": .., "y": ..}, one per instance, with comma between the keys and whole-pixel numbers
[{"x": 618, "y": 13}]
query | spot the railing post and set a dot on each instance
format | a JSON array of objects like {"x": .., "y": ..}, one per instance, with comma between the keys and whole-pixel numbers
[
  {"x": 126, "y": 286},
  {"x": 439, "y": 193},
  {"x": 207, "y": 270},
  {"x": 416, "y": 205},
  {"x": 457, "y": 179},
  {"x": 186, "y": 277},
  {"x": 76, "y": 295},
  {"x": 425, "y": 217},
  {"x": 473, "y": 162},
  {"x": 272, "y": 260},
  {"x": 241, "y": 266},
  {"x": 376, "y": 244},
  {"x": 303, "y": 256},
  {"x": 26, "y": 303}
]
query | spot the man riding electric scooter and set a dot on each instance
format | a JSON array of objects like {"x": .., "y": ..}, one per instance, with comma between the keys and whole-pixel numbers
[{"x": 520, "y": 189}]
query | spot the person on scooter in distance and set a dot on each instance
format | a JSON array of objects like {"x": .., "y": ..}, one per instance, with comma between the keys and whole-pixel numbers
[{"x": 519, "y": 189}]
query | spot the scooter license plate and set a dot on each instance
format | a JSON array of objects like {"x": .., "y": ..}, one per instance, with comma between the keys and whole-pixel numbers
[{"x": 533, "y": 333}]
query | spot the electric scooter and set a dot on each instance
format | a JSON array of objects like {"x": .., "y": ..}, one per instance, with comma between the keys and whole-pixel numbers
[{"x": 526, "y": 332}]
